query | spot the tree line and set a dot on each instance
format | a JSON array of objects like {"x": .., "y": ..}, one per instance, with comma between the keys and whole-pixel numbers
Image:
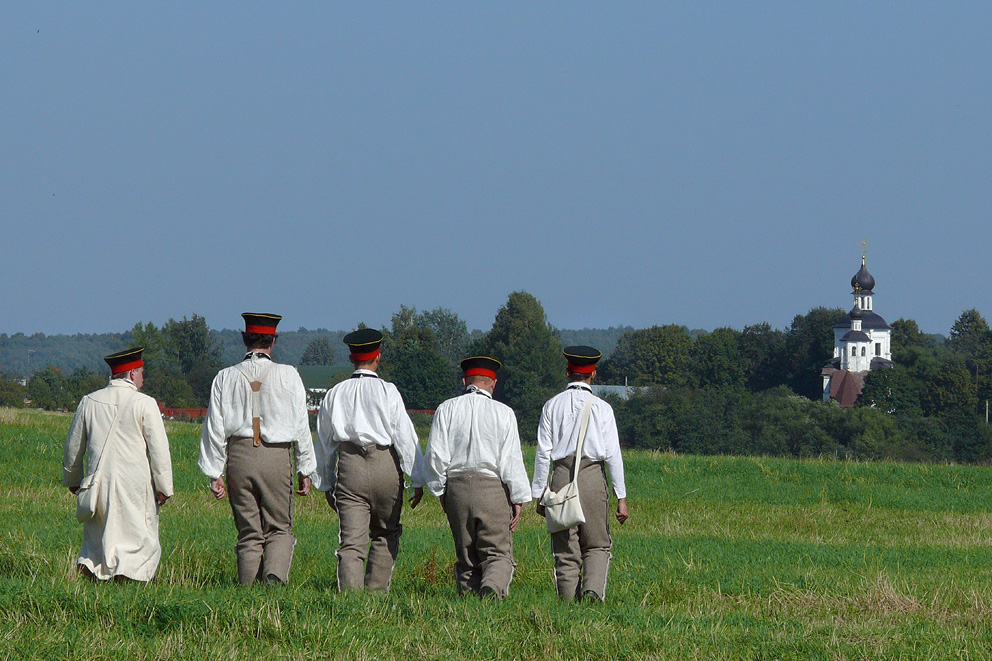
[{"x": 752, "y": 391}]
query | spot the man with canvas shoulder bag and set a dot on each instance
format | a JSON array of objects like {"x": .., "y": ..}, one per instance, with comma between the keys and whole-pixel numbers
[
  {"x": 577, "y": 426},
  {"x": 119, "y": 433}
]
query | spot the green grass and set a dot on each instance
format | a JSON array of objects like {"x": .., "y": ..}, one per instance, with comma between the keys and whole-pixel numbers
[{"x": 723, "y": 558}]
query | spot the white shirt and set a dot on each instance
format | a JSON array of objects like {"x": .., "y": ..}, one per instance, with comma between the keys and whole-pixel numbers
[
  {"x": 365, "y": 411},
  {"x": 284, "y": 418},
  {"x": 475, "y": 433},
  {"x": 558, "y": 435}
]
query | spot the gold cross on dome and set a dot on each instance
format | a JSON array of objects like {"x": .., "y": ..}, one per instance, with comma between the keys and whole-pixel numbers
[{"x": 864, "y": 243}]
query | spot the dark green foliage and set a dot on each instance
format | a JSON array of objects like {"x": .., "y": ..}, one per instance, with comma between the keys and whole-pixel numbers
[
  {"x": 603, "y": 339},
  {"x": 422, "y": 375},
  {"x": 809, "y": 345},
  {"x": 181, "y": 360},
  {"x": 530, "y": 350},
  {"x": 763, "y": 358},
  {"x": 778, "y": 422},
  {"x": 716, "y": 360},
  {"x": 421, "y": 353},
  {"x": 319, "y": 352},
  {"x": 659, "y": 355},
  {"x": 12, "y": 393},
  {"x": 49, "y": 389}
]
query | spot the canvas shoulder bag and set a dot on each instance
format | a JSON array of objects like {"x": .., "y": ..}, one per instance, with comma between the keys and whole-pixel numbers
[
  {"x": 89, "y": 493},
  {"x": 562, "y": 509}
]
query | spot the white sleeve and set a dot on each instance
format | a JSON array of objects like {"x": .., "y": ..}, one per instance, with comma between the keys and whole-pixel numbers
[
  {"x": 438, "y": 456},
  {"x": 614, "y": 460},
  {"x": 542, "y": 457},
  {"x": 213, "y": 438},
  {"x": 326, "y": 448}
]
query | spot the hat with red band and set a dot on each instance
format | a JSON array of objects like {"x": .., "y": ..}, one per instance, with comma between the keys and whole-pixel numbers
[
  {"x": 582, "y": 359},
  {"x": 481, "y": 366},
  {"x": 364, "y": 344},
  {"x": 261, "y": 323},
  {"x": 125, "y": 361}
]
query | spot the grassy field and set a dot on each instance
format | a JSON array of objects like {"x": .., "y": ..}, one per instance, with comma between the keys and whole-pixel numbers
[{"x": 723, "y": 558}]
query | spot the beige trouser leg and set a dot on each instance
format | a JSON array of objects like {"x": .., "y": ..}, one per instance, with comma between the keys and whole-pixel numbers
[
  {"x": 479, "y": 513},
  {"x": 369, "y": 500},
  {"x": 260, "y": 488},
  {"x": 583, "y": 551}
]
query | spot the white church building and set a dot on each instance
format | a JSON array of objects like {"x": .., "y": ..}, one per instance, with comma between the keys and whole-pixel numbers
[{"x": 862, "y": 342}]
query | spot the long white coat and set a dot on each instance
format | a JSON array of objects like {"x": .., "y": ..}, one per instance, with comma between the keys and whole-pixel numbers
[{"x": 122, "y": 539}]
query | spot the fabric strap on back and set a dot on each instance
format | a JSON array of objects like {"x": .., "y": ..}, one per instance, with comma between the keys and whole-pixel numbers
[{"x": 256, "y": 400}]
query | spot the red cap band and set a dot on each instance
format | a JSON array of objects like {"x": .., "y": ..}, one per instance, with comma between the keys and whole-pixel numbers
[
  {"x": 480, "y": 371},
  {"x": 363, "y": 357},
  {"x": 260, "y": 330},
  {"x": 127, "y": 367},
  {"x": 581, "y": 369}
]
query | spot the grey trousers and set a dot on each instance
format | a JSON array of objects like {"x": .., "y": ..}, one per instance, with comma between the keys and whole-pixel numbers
[
  {"x": 582, "y": 553},
  {"x": 260, "y": 488},
  {"x": 479, "y": 513},
  {"x": 369, "y": 499}
]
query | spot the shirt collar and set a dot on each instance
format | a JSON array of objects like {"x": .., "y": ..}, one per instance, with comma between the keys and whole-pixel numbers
[
  {"x": 579, "y": 385},
  {"x": 123, "y": 383},
  {"x": 359, "y": 373},
  {"x": 477, "y": 390},
  {"x": 257, "y": 355}
]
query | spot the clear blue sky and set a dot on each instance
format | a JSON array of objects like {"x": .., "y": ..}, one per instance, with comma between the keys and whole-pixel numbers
[{"x": 695, "y": 163}]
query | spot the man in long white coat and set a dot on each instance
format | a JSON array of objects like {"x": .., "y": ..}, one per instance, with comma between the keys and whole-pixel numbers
[{"x": 127, "y": 475}]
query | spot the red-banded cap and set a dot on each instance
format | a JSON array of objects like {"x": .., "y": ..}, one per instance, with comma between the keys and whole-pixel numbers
[
  {"x": 125, "y": 361},
  {"x": 582, "y": 359},
  {"x": 261, "y": 323},
  {"x": 481, "y": 366},
  {"x": 364, "y": 344}
]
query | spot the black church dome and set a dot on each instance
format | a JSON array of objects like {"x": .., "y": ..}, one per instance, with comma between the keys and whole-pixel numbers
[{"x": 862, "y": 279}]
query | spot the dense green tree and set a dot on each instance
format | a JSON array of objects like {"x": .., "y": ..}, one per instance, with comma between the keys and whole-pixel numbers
[
  {"x": 763, "y": 358},
  {"x": 422, "y": 375},
  {"x": 451, "y": 336},
  {"x": 12, "y": 393},
  {"x": 716, "y": 360},
  {"x": 530, "y": 350},
  {"x": 82, "y": 382},
  {"x": 809, "y": 345},
  {"x": 969, "y": 332},
  {"x": 181, "y": 360},
  {"x": 413, "y": 359},
  {"x": 49, "y": 389},
  {"x": 906, "y": 336},
  {"x": 319, "y": 352},
  {"x": 649, "y": 356}
]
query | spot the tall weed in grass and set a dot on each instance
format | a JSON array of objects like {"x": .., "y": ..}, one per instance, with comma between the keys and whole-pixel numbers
[{"x": 723, "y": 558}]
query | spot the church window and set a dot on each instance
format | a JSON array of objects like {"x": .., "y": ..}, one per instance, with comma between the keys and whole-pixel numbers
[
  {"x": 862, "y": 351},
  {"x": 878, "y": 348}
]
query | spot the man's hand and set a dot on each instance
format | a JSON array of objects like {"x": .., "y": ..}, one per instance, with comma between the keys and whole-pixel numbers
[
  {"x": 73, "y": 490},
  {"x": 160, "y": 498},
  {"x": 305, "y": 485},
  {"x": 418, "y": 494},
  {"x": 540, "y": 508},
  {"x": 329, "y": 495},
  {"x": 622, "y": 513},
  {"x": 517, "y": 509},
  {"x": 217, "y": 487}
]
